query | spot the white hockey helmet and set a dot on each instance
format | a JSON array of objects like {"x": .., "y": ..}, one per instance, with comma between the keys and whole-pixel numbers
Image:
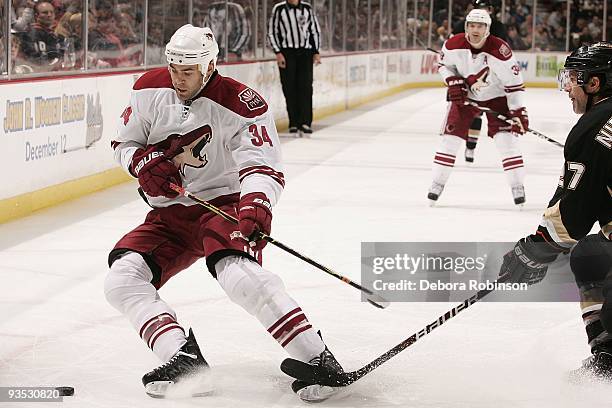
[
  {"x": 191, "y": 45},
  {"x": 478, "y": 16}
]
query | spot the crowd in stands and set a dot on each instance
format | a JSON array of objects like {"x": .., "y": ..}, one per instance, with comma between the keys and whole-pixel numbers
[
  {"x": 549, "y": 33},
  {"x": 586, "y": 24},
  {"x": 47, "y": 35}
]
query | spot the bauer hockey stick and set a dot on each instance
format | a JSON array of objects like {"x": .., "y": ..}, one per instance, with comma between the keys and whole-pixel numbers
[
  {"x": 371, "y": 297},
  {"x": 316, "y": 375},
  {"x": 509, "y": 121}
]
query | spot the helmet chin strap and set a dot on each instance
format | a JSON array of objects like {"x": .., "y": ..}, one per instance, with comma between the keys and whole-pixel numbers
[
  {"x": 203, "y": 84},
  {"x": 589, "y": 98}
]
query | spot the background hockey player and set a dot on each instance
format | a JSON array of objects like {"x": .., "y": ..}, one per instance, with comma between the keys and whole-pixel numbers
[
  {"x": 583, "y": 197},
  {"x": 480, "y": 67},
  {"x": 498, "y": 29},
  {"x": 188, "y": 125}
]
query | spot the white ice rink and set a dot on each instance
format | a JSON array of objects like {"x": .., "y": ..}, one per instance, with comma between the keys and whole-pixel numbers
[{"x": 363, "y": 176}]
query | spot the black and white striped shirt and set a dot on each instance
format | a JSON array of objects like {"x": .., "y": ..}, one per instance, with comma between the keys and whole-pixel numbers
[{"x": 294, "y": 27}]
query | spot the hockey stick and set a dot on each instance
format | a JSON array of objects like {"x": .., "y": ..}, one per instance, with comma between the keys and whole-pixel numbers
[
  {"x": 371, "y": 297},
  {"x": 509, "y": 121},
  {"x": 316, "y": 375}
]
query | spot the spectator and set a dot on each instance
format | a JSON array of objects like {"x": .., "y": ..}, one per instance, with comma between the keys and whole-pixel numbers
[
  {"x": 132, "y": 45},
  {"x": 555, "y": 18},
  {"x": 441, "y": 36},
  {"x": 103, "y": 10},
  {"x": 69, "y": 33},
  {"x": 575, "y": 41},
  {"x": 295, "y": 56},
  {"x": 526, "y": 27},
  {"x": 579, "y": 26},
  {"x": 25, "y": 13},
  {"x": 542, "y": 38},
  {"x": 103, "y": 40},
  {"x": 515, "y": 40},
  {"x": 595, "y": 28},
  {"x": 92, "y": 58},
  {"x": 558, "y": 38},
  {"x": 238, "y": 28},
  {"x": 40, "y": 44},
  {"x": 19, "y": 65},
  {"x": 125, "y": 30}
]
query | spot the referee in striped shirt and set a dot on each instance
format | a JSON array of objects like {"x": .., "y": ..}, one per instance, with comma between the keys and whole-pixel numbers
[{"x": 295, "y": 37}]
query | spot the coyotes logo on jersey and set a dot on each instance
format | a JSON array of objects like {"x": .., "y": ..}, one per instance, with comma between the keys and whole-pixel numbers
[{"x": 188, "y": 150}]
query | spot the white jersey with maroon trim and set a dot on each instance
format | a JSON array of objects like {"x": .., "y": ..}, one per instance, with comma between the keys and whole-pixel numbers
[
  {"x": 223, "y": 142},
  {"x": 503, "y": 78}
]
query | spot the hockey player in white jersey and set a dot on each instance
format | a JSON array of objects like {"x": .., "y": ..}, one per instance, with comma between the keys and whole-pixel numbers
[
  {"x": 480, "y": 68},
  {"x": 186, "y": 124}
]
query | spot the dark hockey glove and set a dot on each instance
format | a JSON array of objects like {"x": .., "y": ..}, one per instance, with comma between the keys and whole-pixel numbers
[
  {"x": 520, "y": 120},
  {"x": 155, "y": 172},
  {"x": 255, "y": 215},
  {"x": 456, "y": 91},
  {"x": 527, "y": 262}
]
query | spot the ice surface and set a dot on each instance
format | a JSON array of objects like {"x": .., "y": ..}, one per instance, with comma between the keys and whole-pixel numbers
[{"x": 363, "y": 176}]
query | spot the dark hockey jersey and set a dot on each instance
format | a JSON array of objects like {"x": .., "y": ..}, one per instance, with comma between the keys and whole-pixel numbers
[
  {"x": 41, "y": 46},
  {"x": 584, "y": 194}
]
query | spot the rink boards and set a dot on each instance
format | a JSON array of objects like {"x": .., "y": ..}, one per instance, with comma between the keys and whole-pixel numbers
[{"x": 56, "y": 133}]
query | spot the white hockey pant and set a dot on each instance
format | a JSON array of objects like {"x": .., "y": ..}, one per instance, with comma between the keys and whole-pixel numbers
[{"x": 128, "y": 289}]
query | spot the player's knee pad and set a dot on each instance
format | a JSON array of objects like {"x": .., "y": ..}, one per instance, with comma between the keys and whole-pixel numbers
[
  {"x": 507, "y": 144},
  {"x": 247, "y": 283},
  {"x": 128, "y": 282},
  {"x": 590, "y": 261},
  {"x": 450, "y": 144}
]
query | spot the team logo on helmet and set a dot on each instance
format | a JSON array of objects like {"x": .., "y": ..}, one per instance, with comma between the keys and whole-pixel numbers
[{"x": 251, "y": 99}]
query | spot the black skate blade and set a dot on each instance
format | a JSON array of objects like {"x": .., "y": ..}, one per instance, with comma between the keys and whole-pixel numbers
[{"x": 313, "y": 374}]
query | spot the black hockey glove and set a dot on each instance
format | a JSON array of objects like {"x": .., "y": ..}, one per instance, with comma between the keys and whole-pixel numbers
[{"x": 527, "y": 262}]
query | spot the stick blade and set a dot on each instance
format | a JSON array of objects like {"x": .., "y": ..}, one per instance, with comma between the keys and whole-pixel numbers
[{"x": 378, "y": 301}]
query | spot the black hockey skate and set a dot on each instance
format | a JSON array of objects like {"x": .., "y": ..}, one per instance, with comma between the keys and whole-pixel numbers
[
  {"x": 187, "y": 374},
  {"x": 434, "y": 193},
  {"x": 598, "y": 367},
  {"x": 327, "y": 367},
  {"x": 469, "y": 155},
  {"x": 518, "y": 193}
]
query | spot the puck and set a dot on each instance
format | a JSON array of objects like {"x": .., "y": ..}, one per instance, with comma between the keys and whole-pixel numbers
[{"x": 65, "y": 391}]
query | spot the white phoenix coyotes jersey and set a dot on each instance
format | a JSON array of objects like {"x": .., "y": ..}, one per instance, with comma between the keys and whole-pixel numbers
[
  {"x": 503, "y": 74},
  {"x": 224, "y": 139}
]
